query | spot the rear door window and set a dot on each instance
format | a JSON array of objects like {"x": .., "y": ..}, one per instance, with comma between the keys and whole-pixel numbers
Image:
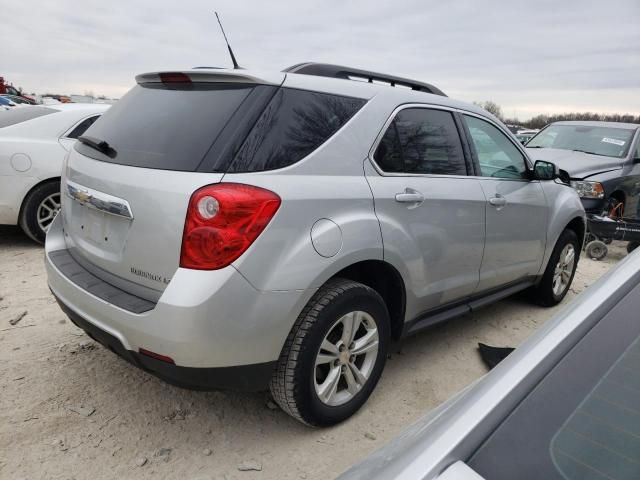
[
  {"x": 421, "y": 141},
  {"x": 293, "y": 124},
  {"x": 169, "y": 127}
]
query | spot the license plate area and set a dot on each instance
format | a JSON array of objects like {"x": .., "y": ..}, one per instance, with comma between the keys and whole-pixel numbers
[{"x": 96, "y": 231}]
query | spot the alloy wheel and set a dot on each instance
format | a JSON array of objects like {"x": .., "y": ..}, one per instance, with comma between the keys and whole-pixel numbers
[
  {"x": 564, "y": 269},
  {"x": 47, "y": 211},
  {"x": 346, "y": 358}
]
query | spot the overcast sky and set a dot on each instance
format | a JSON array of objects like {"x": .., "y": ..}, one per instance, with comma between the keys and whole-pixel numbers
[{"x": 531, "y": 57}]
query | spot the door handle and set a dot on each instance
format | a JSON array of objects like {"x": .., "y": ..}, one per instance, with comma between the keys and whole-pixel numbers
[
  {"x": 409, "y": 196},
  {"x": 498, "y": 201}
]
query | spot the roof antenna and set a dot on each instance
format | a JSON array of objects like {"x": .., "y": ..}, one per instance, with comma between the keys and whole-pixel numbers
[{"x": 233, "y": 58}]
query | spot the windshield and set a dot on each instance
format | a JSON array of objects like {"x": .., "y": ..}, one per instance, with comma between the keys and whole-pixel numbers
[{"x": 607, "y": 141}]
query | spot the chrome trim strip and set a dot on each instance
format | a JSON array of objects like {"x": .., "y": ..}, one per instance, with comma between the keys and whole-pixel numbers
[{"x": 98, "y": 200}]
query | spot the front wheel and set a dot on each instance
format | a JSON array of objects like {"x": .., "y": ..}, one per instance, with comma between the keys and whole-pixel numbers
[
  {"x": 334, "y": 355},
  {"x": 560, "y": 270}
]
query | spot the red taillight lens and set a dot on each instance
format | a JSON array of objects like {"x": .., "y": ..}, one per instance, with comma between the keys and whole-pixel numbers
[{"x": 223, "y": 220}]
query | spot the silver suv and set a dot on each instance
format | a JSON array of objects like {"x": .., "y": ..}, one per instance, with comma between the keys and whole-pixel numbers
[{"x": 239, "y": 229}]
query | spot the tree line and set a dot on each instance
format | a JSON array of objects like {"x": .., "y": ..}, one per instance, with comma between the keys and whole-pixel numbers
[{"x": 540, "y": 121}]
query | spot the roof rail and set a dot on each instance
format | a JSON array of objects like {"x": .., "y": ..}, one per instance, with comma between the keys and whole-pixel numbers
[{"x": 348, "y": 73}]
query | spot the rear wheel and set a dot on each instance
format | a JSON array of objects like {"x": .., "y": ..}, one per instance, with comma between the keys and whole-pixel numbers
[
  {"x": 39, "y": 209},
  {"x": 560, "y": 270},
  {"x": 334, "y": 355}
]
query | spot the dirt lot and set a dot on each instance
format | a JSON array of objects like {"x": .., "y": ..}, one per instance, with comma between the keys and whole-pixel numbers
[{"x": 71, "y": 409}]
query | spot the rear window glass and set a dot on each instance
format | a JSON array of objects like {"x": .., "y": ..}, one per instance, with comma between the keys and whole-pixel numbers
[
  {"x": 165, "y": 127},
  {"x": 19, "y": 115},
  {"x": 293, "y": 124}
]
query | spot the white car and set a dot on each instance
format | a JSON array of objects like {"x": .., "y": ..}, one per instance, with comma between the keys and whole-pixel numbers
[{"x": 33, "y": 143}]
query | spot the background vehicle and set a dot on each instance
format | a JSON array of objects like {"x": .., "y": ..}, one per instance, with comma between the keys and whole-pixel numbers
[
  {"x": 524, "y": 135},
  {"x": 6, "y": 103},
  {"x": 602, "y": 158},
  {"x": 33, "y": 143},
  {"x": 296, "y": 222},
  {"x": 562, "y": 406},
  {"x": 19, "y": 100}
]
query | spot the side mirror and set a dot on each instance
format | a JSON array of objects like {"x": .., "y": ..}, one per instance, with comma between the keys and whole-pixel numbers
[
  {"x": 549, "y": 171},
  {"x": 545, "y": 170}
]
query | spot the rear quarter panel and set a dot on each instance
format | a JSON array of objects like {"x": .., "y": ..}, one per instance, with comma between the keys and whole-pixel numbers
[{"x": 24, "y": 164}]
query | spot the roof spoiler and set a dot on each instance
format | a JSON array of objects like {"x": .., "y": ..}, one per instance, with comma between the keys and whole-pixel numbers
[
  {"x": 210, "y": 75},
  {"x": 348, "y": 73}
]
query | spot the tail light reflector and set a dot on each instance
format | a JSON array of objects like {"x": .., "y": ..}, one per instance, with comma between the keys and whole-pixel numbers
[
  {"x": 157, "y": 356},
  {"x": 223, "y": 220}
]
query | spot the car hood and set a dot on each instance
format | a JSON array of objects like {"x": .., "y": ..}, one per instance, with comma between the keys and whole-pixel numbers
[{"x": 579, "y": 165}]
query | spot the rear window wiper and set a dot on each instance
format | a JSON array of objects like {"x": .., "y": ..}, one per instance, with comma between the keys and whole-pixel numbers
[{"x": 101, "y": 146}]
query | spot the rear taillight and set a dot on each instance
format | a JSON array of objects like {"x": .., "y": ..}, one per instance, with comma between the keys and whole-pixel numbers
[{"x": 223, "y": 220}]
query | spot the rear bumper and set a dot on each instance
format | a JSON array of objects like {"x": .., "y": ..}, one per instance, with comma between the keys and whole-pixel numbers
[
  {"x": 246, "y": 377},
  {"x": 213, "y": 324}
]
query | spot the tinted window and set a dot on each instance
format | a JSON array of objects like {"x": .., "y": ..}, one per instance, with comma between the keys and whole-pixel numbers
[
  {"x": 82, "y": 127},
  {"x": 19, "y": 115},
  {"x": 421, "y": 141},
  {"x": 497, "y": 155},
  {"x": 293, "y": 124},
  {"x": 607, "y": 141},
  {"x": 166, "y": 127},
  {"x": 582, "y": 421}
]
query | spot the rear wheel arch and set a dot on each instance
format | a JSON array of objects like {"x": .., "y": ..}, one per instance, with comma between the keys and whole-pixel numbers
[
  {"x": 385, "y": 279},
  {"x": 33, "y": 188}
]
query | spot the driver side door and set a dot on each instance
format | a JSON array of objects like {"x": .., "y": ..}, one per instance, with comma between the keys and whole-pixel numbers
[{"x": 516, "y": 210}]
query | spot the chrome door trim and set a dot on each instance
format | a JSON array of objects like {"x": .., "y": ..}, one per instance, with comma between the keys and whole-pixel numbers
[{"x": 96, "y": 200}]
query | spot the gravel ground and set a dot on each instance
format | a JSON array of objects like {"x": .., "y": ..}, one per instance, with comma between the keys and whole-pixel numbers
[{"x": 71, "y": 409}]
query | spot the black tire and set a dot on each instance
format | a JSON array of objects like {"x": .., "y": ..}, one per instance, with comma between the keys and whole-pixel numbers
[
  {"x": 30, "y": 206},
  {"x": 631, "y": 246},
  {"x": 293, "y": 382},
  {"x": 543, "y": 292}
]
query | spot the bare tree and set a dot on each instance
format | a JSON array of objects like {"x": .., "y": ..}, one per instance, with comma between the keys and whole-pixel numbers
[{"x": 491, "y": 107}]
